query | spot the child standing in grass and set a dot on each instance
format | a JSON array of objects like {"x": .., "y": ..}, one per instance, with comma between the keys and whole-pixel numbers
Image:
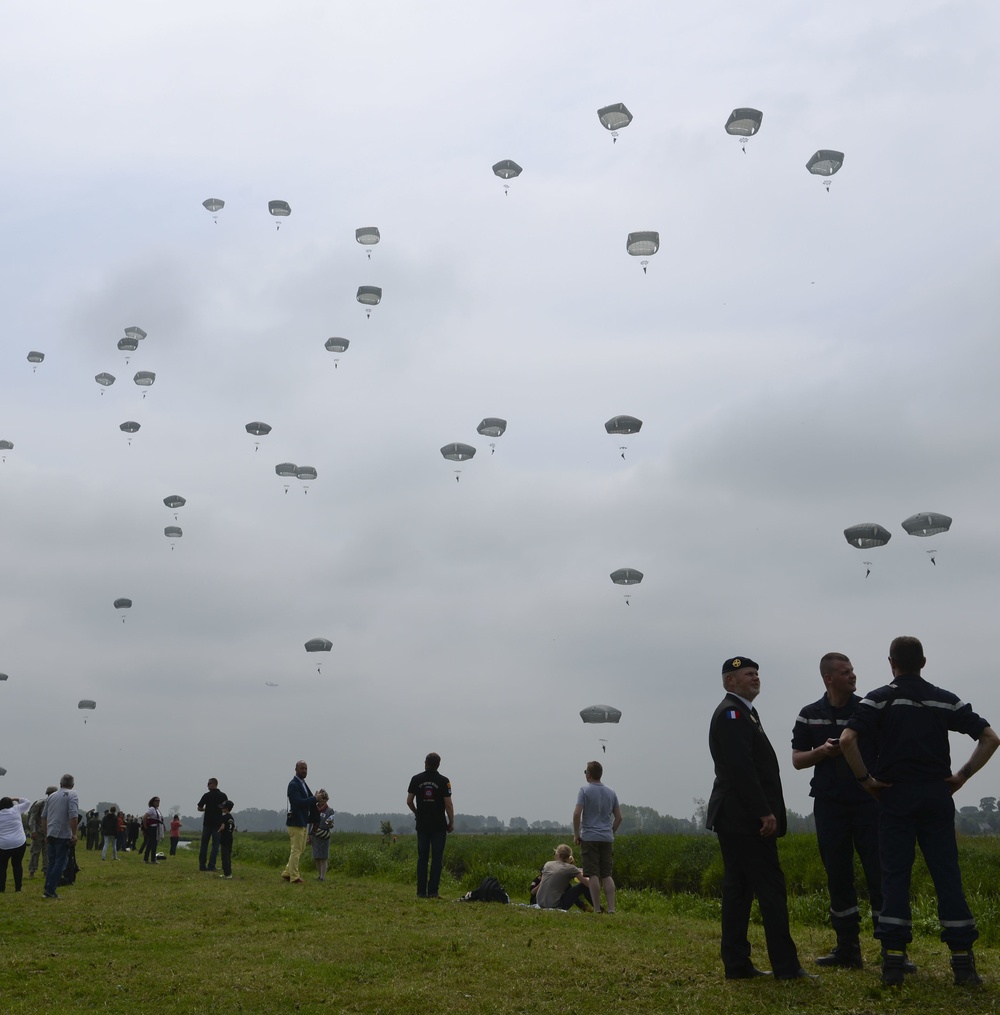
[{"x": 226, "y": 830}]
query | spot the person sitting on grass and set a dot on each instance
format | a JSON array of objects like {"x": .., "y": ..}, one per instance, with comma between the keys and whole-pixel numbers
[{"x": 555, "y": 888}]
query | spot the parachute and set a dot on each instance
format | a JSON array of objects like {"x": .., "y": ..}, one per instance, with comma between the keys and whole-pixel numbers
[
  {"x": 626, "y": 576},
  {"x": 600, "y": 713},
  {"x": 367, "y": 236},
  {"x": 643, "y": 245},
  {"x": 744, "y": 123},
  {"x": 105, "y": 380},
  {"x": 258, "y": 429},
  {"x": 614, "y": 118},
  {"x": 3, "y": 771},
  {"x": 173, "y": 532},
  {"x": 3, "y": 676},
  {"x": 174, "y": 501},
  {"x": 458, "y": 452},
  {"x": 86, "y": 703},
  {"x": 319, "y": 645},
  {"x": 34, "y": 358},
  {"x": 135, "y": 332},
  {"x": 866, "y": 535},
  {"x": 369, "y": 296},
  {"x": 623, "y": 425},
  {"x": 306, "y": 473},
  {"x": 492, "y": 426},
  {"x": 336, "y": 344},
  {"x": 5, "y": 446},
  {"x": 129, "y": 427},
  {"x": 128, "y": 345},
  {"x": 279, "y": 209},
  {"x": 144, "y": 379},
  {"x": 214, "y": 205},
  {"x": 507, "y": 169},
  {"x": 123, "y": 604},
  {"x": 928, "y": 523},
  {"x": 825, "y": 163},
  {"x": 286, "y": 470}
]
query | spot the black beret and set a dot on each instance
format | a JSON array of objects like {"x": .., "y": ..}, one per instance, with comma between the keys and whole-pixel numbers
[{"x": 737, "y": 663}]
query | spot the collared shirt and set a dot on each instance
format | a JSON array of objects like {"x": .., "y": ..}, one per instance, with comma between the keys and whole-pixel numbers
[
  {"x": 911, "y": 719},
  {"x": 832, "y": 778},
  {"x": 59, "y": 811}
]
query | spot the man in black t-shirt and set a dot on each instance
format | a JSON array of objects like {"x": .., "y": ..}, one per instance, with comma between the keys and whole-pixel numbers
[
  {"x": 210, "y": 805},
  {"x": 429, "y": 797}
]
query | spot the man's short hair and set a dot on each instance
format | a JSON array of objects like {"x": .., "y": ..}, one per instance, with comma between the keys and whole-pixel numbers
[
  {"x": 826, "y": 663},
  {"x": 595, "y": 770},
  {"x": 66, "y": 782},
  {"x": 213, "y": 782},
  {"x": 432, "y": 761},
  {"x": 907, "y": 653}
]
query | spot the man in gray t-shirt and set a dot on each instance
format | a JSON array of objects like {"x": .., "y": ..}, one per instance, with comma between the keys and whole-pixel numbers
[
  {"x": 596, "y": 818},
  {"x": 59, "y": 820}
]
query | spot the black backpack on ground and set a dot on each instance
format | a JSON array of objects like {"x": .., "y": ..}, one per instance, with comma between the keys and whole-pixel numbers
[{"x": 489, "y": 890}]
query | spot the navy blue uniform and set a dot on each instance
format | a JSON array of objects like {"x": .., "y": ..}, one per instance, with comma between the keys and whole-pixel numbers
[
  {"x": 911, "y": 719},
  {"x": 846, "y": 816}
]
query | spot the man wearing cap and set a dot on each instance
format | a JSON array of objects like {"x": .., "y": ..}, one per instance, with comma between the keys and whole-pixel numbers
[
  {"x": 846, "y": 816},
  {"x": 747, "y": 812},
  {"x": 913, "y": 782}
]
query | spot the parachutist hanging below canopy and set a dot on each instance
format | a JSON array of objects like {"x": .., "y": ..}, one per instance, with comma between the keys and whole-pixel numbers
[
  {"x": 622, "y": 425},
  {"x": 319, "y": 645},
  {"x": 644, "y": 245},
  {"x": 615, "y": 117},
  {"x": 744, "y": 123},
  {"x": 129, "y": 427},
  {"x": 280, "y": 210},
  {"x": 105, "y": 380},
  {"x": 34, "y": 358},
  {"x": 214, "y": 205},
  {"x": 305, "y": 473},
  {"x": 123, "y": 604},
  {"x": 367, "y": 236},
  {"x": 626, "y": 576},
  {"x": 144, "y": 379},
  {"x": 336, "y": 345},
  {"x": 286, "y": 470},
  {"x": 492, "y": 426},
  {"x": 174, "y": 501},
  {"x": 257, "y": 429},
  {"x": 506, "y": 169},
  {"x": 458, "y": 453},
  {"x": 369, "y": 296},
  {"x": 88, "y": 705},
  {"x": 825, "y": 163},
  {"x": 128, "y": 345}
]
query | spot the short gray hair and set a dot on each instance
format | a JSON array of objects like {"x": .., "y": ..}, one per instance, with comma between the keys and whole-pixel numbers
[{"x": 66, "y": 782}]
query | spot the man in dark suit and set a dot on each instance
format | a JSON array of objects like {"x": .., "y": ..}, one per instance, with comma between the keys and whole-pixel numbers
[{"x": 747, "y": 811}]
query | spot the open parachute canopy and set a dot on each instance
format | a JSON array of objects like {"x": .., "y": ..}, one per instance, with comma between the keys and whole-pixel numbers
[
  {"x": 492, "y": 426},
  {"x": 87, "y": 703},
  {"x": 825, "y": 162},
  {"x": 175, "y": 500},
  {"x": 458, "y": 452},
  {"x": 104, "y": 379},
  {"x": 35, "y": 357},
  {"x": 123, "y": 604},
  {"x": 744, "y": 122},
  {"x": 258, "y": 429},
  {"x": 623, "y": 425},
  {"x": 144, "y": 378},
  {"x": 368, "y": 236},
  {"x": 129, "y": 426},
  {"x": 213, "y": 204},
  {"x": 286, "y": 468},
  {"x": 626, "y": 576},
  {"x": 135, "y": 332},
  {"x": 643, "y": 244},
  {"x": 319, "y": 645},
  {"x": 128, "y": 344},
  {"x": 336, "y": 344},
  {"x": 369, "y": 295},
  {"x": 279, "y": 209},
  {"x": 928, "y": 523},
  {"x": 614, "y": 117},
  {"x": 866, "y": 535},
  {"x": 507, "y": 169},
  {"x": 173, "y": 532},
  {"x": 600, "y": 713}
]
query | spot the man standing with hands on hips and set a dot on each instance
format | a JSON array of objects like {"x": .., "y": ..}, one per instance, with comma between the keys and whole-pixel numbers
[{"x": 747, "y": 812}]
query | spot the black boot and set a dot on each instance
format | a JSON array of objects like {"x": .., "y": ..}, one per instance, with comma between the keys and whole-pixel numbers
[
  {"x": 892, "y": 967},
  {"x": 963, "y": 965},
  {"x": 847, "y": 954}
]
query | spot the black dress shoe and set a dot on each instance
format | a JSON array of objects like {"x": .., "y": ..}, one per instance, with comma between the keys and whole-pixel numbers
[
  {"x": 747, "y": 974},
  {"x": 843, "y": 958},
  {"x": 800, "y": 974}
]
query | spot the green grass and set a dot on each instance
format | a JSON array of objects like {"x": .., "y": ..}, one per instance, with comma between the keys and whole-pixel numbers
[{"x": 128, "y": 937}]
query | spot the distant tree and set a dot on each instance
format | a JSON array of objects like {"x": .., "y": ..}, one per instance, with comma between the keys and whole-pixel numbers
[
  {"x": 988, "y": 804},
  {"x": 518, "y": 824},
  {"x": 386, "y": 829},
  {"x": 700, "y": 817}
]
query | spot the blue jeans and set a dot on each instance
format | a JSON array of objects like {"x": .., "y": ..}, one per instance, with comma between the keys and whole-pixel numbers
[
  {"x": 430, "y": 845},
  {"x": 208, "y": 835},
  {"x": 58, "y": 857}
]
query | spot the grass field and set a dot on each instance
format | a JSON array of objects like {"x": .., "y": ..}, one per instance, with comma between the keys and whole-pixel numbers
[{"x": 131, "y": 938}]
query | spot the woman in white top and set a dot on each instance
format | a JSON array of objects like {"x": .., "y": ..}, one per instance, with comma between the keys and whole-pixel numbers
[{"x": 12, "y": 839}]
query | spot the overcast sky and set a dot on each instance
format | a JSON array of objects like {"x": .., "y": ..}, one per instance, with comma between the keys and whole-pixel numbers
[{"x": 801, "y": 360}]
